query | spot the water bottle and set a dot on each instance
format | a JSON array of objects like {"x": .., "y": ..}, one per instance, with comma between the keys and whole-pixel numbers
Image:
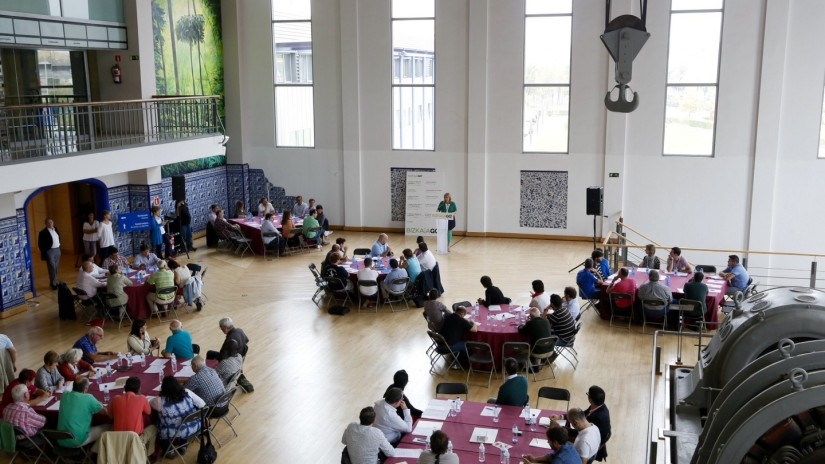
[
  {"x": 427, "y": 443},
  {"x": 453, "y": 409},
  {"x": 533, "y": 423},
  {"x": 143, "y": 360},
  {"x": 481, "y": 452},
  {"x": 106, "y": 394},
  {"x": 527, "y": 414},
  {"x": 449, "y": 447},
  {"x": 667, "y": 281},
  {"x": 633, "y": 271},
  {"x": 129, "y": 360},
  {"x": 108, "y": 370},
  {"x": 515, "y": 435},
  {"x": 174, "y": 364},
  {"x": 160, "y": 377},
  {"x": 505, "y": 456},
  {"x": 458, "y": 404}
]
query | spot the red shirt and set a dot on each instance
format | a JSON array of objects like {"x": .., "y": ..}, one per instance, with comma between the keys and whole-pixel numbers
[
  {"x": 127, "y": 411},
  {"x": 626, "y": 286}
]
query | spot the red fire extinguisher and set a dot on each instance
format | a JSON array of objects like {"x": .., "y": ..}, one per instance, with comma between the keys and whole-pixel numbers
[{"x": 116, "y": 74}]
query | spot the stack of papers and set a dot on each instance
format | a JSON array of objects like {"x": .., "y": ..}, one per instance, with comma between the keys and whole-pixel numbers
[
  {"x": 483, "y": 435},
  {"x": 426, "y": 428},
  {"x": 407, "y": 453},
  {"x": 494, "y": 308},
  {"x": 545, "y": 422},
  {"x": 437, "y": 409},
  {"x": 153, "y": 369},
  {"x": 533, "y": 413}
]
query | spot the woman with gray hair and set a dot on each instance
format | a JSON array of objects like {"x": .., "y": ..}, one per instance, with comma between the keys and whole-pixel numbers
[{"x": 72, "y": 365}]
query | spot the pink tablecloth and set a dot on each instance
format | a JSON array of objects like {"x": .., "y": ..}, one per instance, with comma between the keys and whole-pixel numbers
[
  {"x": 495, "y": 333},
  {"x": 252, "y": 230},
  {"x": 460, "y": 429},
  {"x": 677, "y": 283}
]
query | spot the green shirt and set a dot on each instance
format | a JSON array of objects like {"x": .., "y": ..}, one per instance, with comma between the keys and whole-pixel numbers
[
  {"x": 76, "y": 411},
  {"x": 164, "y": 278},
  {"x": 310, "y": 223}
]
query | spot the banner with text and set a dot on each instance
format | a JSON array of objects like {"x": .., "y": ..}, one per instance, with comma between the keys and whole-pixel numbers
[{"x": 424, "y": 192}]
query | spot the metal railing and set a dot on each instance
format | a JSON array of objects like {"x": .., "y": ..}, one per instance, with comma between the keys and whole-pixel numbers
[
  {"x": 799, "y": 269},
  {"x": 32, "y": 132}
]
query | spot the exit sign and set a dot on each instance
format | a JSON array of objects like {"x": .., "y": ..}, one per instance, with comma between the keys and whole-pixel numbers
[{"x": 613, "y": 174}]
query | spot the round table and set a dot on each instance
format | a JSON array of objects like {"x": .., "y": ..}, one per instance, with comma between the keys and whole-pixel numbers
[{"x": 496, "y": 333}]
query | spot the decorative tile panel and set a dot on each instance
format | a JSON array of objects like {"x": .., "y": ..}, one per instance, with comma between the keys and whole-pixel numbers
[
  {"x": 14, "y": 280},
  {"x": 398, "y": 191},
  {"x": 543, "y": 199}
]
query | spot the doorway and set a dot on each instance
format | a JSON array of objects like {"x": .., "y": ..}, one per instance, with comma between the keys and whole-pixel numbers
[{"x": 68, "y": 205}]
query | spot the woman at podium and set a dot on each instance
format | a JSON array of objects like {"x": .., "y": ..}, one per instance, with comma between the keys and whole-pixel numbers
[{"x": 447, "y": 206}]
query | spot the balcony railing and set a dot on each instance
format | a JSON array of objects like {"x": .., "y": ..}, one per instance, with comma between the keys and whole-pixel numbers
[{"x": 33, "y": 132}]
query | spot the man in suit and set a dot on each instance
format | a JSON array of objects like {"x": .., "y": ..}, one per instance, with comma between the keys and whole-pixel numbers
[
  {"x": 48, "y": 241},
  {"x": 513, "y": 392}
]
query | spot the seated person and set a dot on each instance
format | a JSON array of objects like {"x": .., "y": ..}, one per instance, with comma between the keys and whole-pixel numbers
[
  {"x": 88, "y": 345},
  {"x": 300, "y": 208},
  {"x": 288, "y": 229},
  {"x": 597, "y": 414},
  {"x": 736, "y": 275},
  {"x": 654, "y": 290},
  {"x": 342, "y": 242},
  {"x": 492, "y": 294},
  {"x": 179, "y": 344},
  {"x": 513, "y": 392},
  {"x": 561, "y": 322},
  {"x": 128, "y": 411},
  {"x": 394, "y": 274},
  {"x": 20, "y": 413},
  {"x": 623, "y": 284},
  {"x": 600, "y": 263},
  {"x": 454, "y": 329},
  {"x": 115, "y": 284},
  {"x": 439, "y": 451},
  {"x": 173, "y": 404},
  {"x": 207, "y": 384},
  {"x": 400, "y": 380},
  {"x": 563, "y": 451},
  {"x": 426, "y": 259},
  {"x": 72, "y": 366},
  {"x": 410, "y": 264},
  {"x": 25, "y": 378},
  {"x": 240, "y": 211},
  {"x": 386, "y": 418},
  {"x": 363, "y": 442},
  {"x": 145, "y": 259},
  {"x": 163, "y": 278},
  {"x": 337, "y": 271},
  {"x": 87, "y": 282},
  {"x": 76, "y": 410},
  {"x": 588, "y": 438},
  {"x": 380, "y": 249},
  {"x": 48, "y": 377},
  {"x": 418, "y": 240},
  {"x": 327, "y": 260},
  {"x": 311, "y": 223},
  {"x": 536, "y": 328},
  {"x": 264, "y": 207},
  {"x": 223, "y": 228},
  {"x": 368, "y": 273},
  {"x": 571, "y": 303},
  {"x": 435, "y": 311},
  {"x": 650, "y": 261},
  {"x": 273, "y": 240},
  {"x": 588, "y": 280},
  {"x": 540, "y": 299},
  {"x": 696, "y": 290},
  {"x": 677, "y": 263},
  {"x": 116, "y": 259},
  {"x": 182, "y": 273},
  {"x": 139, "y": 341},
  {"x": 322, "y": 220}
]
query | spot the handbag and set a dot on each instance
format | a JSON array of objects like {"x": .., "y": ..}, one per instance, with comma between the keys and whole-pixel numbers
[{"x": 207, "y": 453}]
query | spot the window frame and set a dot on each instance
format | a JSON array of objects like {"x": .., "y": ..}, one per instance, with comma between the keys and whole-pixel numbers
[
  {"x": 715, "y": 85},
  {"x": 276, "y": 85},
  {"x": 401, "y": 77},
  {"x": 525, "y": 85},
  {"x": 820, "y": 148}
]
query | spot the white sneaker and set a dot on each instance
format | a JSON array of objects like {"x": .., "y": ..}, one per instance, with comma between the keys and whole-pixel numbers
[{"x": 327, "y": 233}]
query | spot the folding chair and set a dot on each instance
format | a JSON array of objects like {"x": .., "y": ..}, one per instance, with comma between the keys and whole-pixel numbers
[
  {"x": 28, "y": 447},
  {"x": 590, "y": 303},
  {"x": 337, "y": 288},
  {"x": 362, "y": 296},
  {"x": 542, "y": 351},
  {"x": 452, "y": 388},
  {"x": 166, "y": 307},
  {"x": 615, "y": 311},
  {"x": 442, "y": 351},
  {"x": 198, "y": 416},
  {"x": 400, "y": 296},
  {"x": 120, "y": 310},
  {"x": 655, "y": 309},
  {"x": 361, "y": 252},
  {"x": 62, "y": 452},
  {"x": 242, "y": 244},
  {"x": 85, "y": 305},
  {"x": 480, "y": 353},
  {"x": 567, "y": 351},
  {"x": 320, "y": 284},
  {"x": 121, "y": 447},
  {"x": 311, "y": 243},
  {"x": 226, "y": 398},
  {"x": 520, "y": 351},
  {"x": 556, "y": 394},
  {"x": 466, "y": 304},
  {"x": 203, "y": 282}
]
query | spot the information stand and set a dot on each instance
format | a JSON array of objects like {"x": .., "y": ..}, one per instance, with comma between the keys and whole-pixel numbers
[{"x": 442, "y": 226}]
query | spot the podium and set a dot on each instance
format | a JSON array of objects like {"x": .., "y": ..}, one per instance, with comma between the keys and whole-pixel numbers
[{"x": 442, "y": 229}]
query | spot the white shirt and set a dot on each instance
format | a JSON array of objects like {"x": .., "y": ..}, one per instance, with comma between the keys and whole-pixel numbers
[
  {"x": 540, "y": 301},
  {"x": 363, "y": 443},
  {"x": 267, "y": 227},
  {"x": 262, "y": 210},
  {"x": 55, "y": 238},
  {"x": 184, "y": 274},
  {"x": 572, "y": 307},
  {"x": 88, "y": 283},
  {"x": 212, "y": 217},
  {"x": 90, "y": 231},
  {"x": 368, "y": 274},
  {"x": 300, "y": 209},
  {"x": 588, "y": 441},
  {"x": 97, "y": 271},
  {"x": 427, "y": 260},
  {"x": 5, "y": 342},
  {"x": 387, "y": 421},
  {"x": 107, "y": 238}
]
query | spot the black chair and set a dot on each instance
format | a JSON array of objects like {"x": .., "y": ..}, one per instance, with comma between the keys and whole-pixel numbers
[
  {"x": 397, "y": 296},
  {"x": 520, "y": 351},
  {"x": 179, "y": 441},
  {"x": 337, "y": 288},
  {"x": 466, "y": 304},
  {"x": 115, "y": 312},
  {"x": 362, "y": 296},
  {"x": 451, "y": 389},
  {"x": 553, "y": 393},
  {"x": 222, "y": 416},
  {"x": 31, "y": 448},
  {"x": 616, "y": 311},
  {"x": 168, "y": 305},
  {"x": 654, "y": 309},
  {"x": 480, "y": 353},
  {"x": 361, "y": 252},
  {"x": 706, "y": 268},
  {"x": 84, "y": 304},
  {"x": 568, "y": 351},
  {"x": 442, "y": 351},
  {"x": 62, "y": 452},
  {"x": 543, "y": 351}
]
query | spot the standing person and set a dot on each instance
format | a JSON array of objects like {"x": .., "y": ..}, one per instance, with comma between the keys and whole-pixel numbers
[
  {"x": 48, "y": 241},
  {"x": 90, "y": 234},
  {"x": 106, "y": 237},
  {"x": 185, "y": 218},
  {"x": 447, "y": 206},
  {"x": 8, "y": 361},
  {"x": 158, "y": 235}
]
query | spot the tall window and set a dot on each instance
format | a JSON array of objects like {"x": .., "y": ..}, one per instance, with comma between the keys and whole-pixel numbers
[
  {"x": 547, "y": 36},
  {"x": 692, "y": 77},
  {"x": 292, "y": 43},
  {"x": 413, "y": 74}
]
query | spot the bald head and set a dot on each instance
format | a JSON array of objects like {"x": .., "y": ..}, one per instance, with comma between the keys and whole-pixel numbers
[
  {"x": 383, "y": 238},
  {"x": 535, "y": 312},
  {"x": 88, "y": 267},
  {"x": 175, "y": 325},
  {"x": 197, "y": 363}
]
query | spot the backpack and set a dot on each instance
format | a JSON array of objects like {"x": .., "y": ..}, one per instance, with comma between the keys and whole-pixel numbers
[
  {"x": 338, "y": 310},
  {"x": 65, "y": 303}
]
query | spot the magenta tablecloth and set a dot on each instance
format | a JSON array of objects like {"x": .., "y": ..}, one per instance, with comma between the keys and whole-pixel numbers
[
  {"x": 677, "y": 283},
  {"x": 496, "y": 334},
  {"x": 252, "y": 230},
  {"x": 460, "y": 429}
]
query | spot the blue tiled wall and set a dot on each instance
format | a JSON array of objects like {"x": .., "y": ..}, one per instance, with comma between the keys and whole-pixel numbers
[{"x": 14, "y": 278}]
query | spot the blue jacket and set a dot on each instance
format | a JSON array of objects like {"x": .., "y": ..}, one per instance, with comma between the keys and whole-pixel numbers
[{"x": 156, "y": 231}]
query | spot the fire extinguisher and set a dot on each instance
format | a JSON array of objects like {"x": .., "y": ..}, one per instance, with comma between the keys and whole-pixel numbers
[{"x": 116, "y": 74}]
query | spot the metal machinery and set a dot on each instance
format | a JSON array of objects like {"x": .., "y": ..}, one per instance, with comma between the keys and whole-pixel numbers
[
  {"x": 757, "y": 393},
  {"x": 624, "y": 36}
]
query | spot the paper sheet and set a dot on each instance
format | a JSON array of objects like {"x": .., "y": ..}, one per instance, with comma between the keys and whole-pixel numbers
[
  {"x": 110, "y": 385},
  {"x": 156, "y": 389},
  {"x": 483, "y": 435},
  {"x": 55, "y": 406},
  {"x": 540, "y": 443},
  {"x": 437, "y": 409},
  {"x": 426, "y": 428},
  {"x": 533, "y": 413},
  {"x": 413, "y": 453},
  {"x": 185, "y": 372},
  {"x": 488, "y": 411},
  {"x": 153, "y": 370},
  {"x": 159, "y": 362},
  {"x": 494, "y": 308}
]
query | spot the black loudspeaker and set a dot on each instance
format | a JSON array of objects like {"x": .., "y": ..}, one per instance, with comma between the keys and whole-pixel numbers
[
  {"x": 595, "y": 200},
  {"x": 179, "y": 188}
]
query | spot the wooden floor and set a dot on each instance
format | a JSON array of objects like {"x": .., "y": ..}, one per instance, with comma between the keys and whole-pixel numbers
[{"x": 313, "y": 372}]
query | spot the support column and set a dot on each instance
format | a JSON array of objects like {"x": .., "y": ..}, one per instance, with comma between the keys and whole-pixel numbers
[
  {"x": 477, "y": 116},
  {"x": 351, "y": 112}
]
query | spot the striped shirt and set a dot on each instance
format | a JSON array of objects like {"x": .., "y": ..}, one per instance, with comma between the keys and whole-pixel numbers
[
  {"x": 22, "y": 415},
  {"x": 229, "y": 367},
  {"x": 563, "y": 324},
  {"x": 207, "y": 385}
]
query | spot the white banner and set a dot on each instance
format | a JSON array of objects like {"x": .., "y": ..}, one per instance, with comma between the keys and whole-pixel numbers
[{"x": 424, "y": 193}]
